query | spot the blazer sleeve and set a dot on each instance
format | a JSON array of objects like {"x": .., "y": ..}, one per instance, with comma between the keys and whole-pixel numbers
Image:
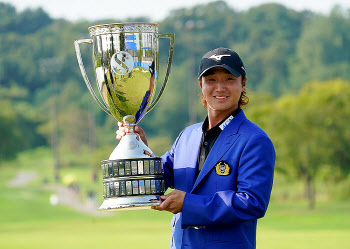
[
  {"x": 168, "y": 164},
  {"x": 249, "y": 201}
]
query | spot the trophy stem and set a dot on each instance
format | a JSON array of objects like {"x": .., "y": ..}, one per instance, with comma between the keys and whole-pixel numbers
[
  {"x": 131, "y": 146},
  {"x": 129, "y": 122},
  {"x": 130, "y": 127}
]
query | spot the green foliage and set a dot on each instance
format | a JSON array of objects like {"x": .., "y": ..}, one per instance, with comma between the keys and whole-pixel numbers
[
  {"x": 17, "y": 122},
  {"x": 316, "y": 120},
  {"x": 160, "y": 145},
  {"x": 310, "y": 132},
  {"x": 323, "y": 49},
  {"x": 29, "y": 21},
  {"x": 9, "y": 136}
]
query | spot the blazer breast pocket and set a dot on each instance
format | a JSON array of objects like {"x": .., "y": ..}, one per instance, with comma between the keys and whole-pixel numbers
[{"x": 224, "y": 183}]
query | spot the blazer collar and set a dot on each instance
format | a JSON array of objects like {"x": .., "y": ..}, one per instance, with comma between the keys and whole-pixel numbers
[{"x": 225, "y": 140}]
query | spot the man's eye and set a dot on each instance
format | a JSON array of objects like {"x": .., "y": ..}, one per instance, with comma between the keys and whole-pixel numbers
[{"x": 230, "y": 79}]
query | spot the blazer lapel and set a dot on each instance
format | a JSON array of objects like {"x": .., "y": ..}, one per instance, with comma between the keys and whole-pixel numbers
[
  {"x": 192, "y": 157},
  {"x": 224, "y": 142}
]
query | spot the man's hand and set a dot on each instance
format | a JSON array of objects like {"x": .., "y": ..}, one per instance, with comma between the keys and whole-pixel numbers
[
  {"x": 122, "y": 131},
  {"x": 172, "y": 202}
]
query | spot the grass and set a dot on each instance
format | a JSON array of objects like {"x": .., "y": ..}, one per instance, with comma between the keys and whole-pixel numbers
[
  {"x": 293, "y": 225},
  {"x": 40, "y": 225},
  {"x": 27, "y": 220},
  {"x": 325, "y": 239}
]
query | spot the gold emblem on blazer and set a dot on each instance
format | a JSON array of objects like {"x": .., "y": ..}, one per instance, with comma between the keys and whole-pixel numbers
[{"x": 222, "y": 168}]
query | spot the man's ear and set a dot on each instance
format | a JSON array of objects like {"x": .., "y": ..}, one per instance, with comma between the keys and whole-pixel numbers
[
  {"x": 244, "y": 82},
  {"x": 200, "y": 82}
]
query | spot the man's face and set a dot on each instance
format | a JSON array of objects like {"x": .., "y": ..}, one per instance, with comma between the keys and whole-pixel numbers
[{"x": 221, "y": 90}]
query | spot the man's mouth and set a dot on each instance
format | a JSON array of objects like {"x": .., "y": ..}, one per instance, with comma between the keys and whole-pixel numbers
[{"x": 220, "y": 98}]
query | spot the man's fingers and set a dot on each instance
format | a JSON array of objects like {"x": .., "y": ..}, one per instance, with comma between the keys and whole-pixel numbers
[
  {"x": 163, "y": 205},
  {"x": 138, "y": 129},
  {"x": 171, "y": 202},
  {"x": 163, "y": 198},
  {"x": 120, "y": 134},
  {"x": 157, "y": 208}
]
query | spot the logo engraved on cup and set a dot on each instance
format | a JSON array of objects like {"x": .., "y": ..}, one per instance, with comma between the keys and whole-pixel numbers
[{"x": 122, "y": 63}]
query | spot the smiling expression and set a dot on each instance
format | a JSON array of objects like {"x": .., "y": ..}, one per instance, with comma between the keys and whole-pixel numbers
[{"x": 221, "y": 90}]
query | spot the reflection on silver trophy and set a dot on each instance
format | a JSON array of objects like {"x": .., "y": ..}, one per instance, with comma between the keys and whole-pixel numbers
[{"x": 126, "y": 63}]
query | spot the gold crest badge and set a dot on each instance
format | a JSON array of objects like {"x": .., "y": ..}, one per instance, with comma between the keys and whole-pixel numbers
[{"x": 222, "y": 168}]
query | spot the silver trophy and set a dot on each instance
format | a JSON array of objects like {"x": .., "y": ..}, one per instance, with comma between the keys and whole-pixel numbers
[{"x": 126, "y": 62}]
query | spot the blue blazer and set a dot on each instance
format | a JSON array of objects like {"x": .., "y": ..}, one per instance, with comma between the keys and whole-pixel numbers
[{"x": 221, "y": 208}]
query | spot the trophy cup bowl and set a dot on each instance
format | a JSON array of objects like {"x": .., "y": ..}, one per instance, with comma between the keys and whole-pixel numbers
[{"x": 126, "y": 64}]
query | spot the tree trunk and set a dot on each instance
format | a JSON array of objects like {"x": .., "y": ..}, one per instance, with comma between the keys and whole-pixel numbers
[{"x": 310, "y": 191}]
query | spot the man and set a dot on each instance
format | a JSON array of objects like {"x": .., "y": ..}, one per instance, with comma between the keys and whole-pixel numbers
[{"x": 221, "y": 169}]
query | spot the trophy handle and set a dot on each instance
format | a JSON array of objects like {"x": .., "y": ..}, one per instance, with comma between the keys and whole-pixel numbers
[
  {"x": 83, "y": 72},
  {"x": 170, "y": 59}
]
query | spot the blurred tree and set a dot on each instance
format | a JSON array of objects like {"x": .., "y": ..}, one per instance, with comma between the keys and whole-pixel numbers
[
  {"x": 72, "y": 117},
  {"x": 323, "y": 50},
  {"x": 10, "y": 137},
  {"x": 26, "y": 22},
  {"x": 7, "y": 12},
  {"x": 310, "y": 131},
  {"x": 268, "y": 36},
  {"x": 17, "y": 122},
  {"x": 30, "y": 21}
]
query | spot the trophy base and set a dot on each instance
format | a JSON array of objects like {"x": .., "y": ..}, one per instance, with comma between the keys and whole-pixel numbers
[
  {"x": 132, "y": 183},
  {"x": 133, "y": 202}
]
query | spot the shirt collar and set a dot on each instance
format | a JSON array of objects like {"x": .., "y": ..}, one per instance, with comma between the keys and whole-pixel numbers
[{"x": 222, "y": 125}]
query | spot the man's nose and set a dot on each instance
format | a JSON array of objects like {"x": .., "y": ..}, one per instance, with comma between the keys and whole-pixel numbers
[{"x": 220, "y": 85}]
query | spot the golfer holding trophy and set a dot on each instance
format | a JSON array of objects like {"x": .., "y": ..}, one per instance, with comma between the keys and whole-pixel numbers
[{"x": 126, "y": 64}]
